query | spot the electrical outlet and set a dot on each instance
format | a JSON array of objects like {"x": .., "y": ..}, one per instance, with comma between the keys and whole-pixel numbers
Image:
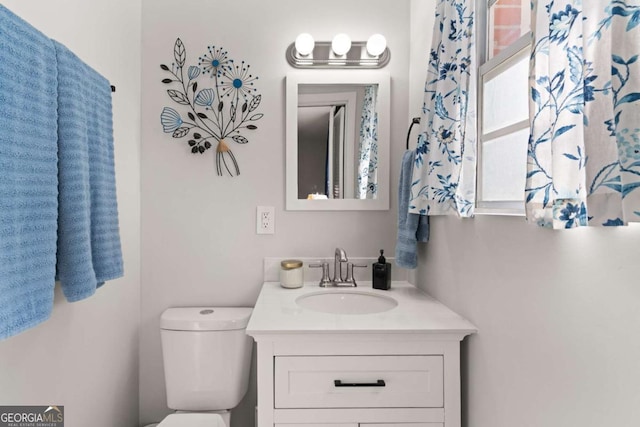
[{"x": 265, "y": 220}]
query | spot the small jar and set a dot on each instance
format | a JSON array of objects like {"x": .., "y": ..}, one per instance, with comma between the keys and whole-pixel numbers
[{"x": 291, "y": 273}]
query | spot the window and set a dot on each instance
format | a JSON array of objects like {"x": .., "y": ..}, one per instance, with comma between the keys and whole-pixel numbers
[{"x": 503, "y": 105}]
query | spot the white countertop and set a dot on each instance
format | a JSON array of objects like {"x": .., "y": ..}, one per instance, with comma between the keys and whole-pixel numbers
[{"x": 276, "y": 311}]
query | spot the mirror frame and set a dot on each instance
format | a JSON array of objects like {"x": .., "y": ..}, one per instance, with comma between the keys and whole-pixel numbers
[{"x": 359, "y": 77}]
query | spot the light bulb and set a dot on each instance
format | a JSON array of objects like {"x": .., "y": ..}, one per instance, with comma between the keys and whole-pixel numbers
[
  {"x": 376, "y": 44},
  {"x": 304, "y": 44},
  {"x": 341, "y": 44}
]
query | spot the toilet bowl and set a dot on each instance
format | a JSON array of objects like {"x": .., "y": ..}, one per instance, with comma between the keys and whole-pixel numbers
[{"x": 206, "y": 355}]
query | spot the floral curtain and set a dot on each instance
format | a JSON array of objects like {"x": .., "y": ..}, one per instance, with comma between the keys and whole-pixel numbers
[
  {"x": 367, "y": 185},
  {"x": 444, "y": 170},
  {"x": 584, "y": 148}
]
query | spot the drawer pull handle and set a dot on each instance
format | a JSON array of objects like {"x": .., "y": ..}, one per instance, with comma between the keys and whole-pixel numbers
[{"x": 339, "y": 383}]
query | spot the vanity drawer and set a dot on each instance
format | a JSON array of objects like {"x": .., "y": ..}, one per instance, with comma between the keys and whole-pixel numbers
[{"x": 358, "y": 382}]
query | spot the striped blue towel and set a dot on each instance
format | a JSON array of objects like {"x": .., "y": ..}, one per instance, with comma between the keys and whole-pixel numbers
[
  {"x": 412, "y": 228},
  {"x": 28, "y": 175},
  {"x": 89, "y": 250}
]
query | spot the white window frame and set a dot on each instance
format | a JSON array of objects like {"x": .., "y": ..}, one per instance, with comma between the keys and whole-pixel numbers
[{"x": 487, "y": 70}]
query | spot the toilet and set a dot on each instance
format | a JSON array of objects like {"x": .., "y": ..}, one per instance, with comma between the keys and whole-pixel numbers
[{"x": 207, "y": 358}]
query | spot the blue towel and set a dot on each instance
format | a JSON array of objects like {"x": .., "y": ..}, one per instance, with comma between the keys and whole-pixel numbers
[
  {"x": 89, "y": 250},
  {"x": 28, "y": 175},
  {"x": 412, "y": 228}
]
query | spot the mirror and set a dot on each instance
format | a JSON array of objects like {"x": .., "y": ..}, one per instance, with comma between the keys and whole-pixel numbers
[{"x": 337, "y": 140}]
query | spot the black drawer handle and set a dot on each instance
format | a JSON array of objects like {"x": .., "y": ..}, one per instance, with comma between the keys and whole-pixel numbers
[{"x": 339, "y": 383}]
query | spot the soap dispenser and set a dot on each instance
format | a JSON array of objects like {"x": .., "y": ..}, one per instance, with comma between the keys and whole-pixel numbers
[{"x": 382, "y": 273}]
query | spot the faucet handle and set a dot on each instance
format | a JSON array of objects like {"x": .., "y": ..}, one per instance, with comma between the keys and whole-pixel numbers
[
  {"x": 350, "y": 267},
  {"x": 325, "y": 272}
]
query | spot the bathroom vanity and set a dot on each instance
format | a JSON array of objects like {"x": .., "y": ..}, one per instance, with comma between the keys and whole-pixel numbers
[{"x": 356, "y": 357}]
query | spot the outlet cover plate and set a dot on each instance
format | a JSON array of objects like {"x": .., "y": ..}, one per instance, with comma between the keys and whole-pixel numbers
[{"x": 265, "y": 220}]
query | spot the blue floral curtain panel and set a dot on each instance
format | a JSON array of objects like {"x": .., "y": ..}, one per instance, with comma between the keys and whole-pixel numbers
[
  {"x": 445, "y": 161},
  {"x": 367, "y": 186},
  {"x": 584, "y": 148}
]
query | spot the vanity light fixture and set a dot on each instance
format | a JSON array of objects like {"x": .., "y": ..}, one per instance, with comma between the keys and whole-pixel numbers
[
  {"x": 341, "y": 44},
  {"x": 304, "y": 44},
  {"x": 341, "y": 52},
  {"x": 376, "y": 44}
]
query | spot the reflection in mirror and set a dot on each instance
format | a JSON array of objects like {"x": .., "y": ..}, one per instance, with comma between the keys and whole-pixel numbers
[
  {"x": 337, "y": 145},
  {"x": 337, "y": 141}
]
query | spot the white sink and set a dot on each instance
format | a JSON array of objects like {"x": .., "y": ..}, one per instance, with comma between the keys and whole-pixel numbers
[{"x": 346, "y": 302}]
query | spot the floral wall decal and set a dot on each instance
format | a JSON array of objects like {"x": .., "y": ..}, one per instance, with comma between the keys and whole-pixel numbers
[{"x": 212, "y": 111}]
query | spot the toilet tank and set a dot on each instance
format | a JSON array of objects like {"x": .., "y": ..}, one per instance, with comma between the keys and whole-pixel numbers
[{"x": 207, "y": 357}]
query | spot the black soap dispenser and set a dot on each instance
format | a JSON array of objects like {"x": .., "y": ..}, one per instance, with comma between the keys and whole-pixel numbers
[{"x": 382, "y": 273}]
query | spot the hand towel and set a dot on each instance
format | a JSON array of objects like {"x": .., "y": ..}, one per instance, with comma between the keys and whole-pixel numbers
[
  {"x": 412, "y": 228},
  {"x": 89, "y": 251},
  {"x": 28, "y": 175}
]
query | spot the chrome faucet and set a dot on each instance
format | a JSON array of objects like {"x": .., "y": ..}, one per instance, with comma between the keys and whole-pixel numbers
[{"x": 340, "y": 257}]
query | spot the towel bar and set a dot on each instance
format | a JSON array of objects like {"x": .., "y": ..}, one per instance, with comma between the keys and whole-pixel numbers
[{"x": 414, "y": 121}]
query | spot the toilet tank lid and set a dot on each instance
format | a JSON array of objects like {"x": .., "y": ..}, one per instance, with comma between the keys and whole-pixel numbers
[{"x": 205, "y": 318}]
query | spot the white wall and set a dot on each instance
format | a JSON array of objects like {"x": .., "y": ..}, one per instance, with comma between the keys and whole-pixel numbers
[
  {"x": 86, "y": 356},
  {"x": 199, "y": 243},
  {"x": 558, "y": 314},
  {"x": 557, "y": 311}
]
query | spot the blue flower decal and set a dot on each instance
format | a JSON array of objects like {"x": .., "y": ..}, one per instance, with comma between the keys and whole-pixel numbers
[
  {"x": 193, "y": 72},
  {"x": 448, "y": 70},
  {"x": 562, "y": 22},
  {"x": 573, "y": 215},
  {"x": 170, "y": 119},
  {"x": 445, "y": 136},
  {"x": 238, "y": 81},
  {"x": 215, "y": 62},
  {"x": 205, "y": 97}
]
